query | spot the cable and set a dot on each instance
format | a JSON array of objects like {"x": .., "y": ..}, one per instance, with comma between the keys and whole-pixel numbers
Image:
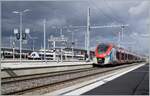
[
  {"x": 113, "y": 11},
  {"x": 101, "y": 11},
  {"x": 106, "y": 14},
  {"x": 112, "y": 18}
]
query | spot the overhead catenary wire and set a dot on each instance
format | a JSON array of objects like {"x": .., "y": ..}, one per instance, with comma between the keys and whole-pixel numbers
[
  {"x": 101, "y": 11},
  {"x": 113, "y": 17},
  {"x": 116, "y": 14},
  {"x": 113, "y": 11}
]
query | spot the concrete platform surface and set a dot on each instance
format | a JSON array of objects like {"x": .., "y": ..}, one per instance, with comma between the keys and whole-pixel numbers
[
  {"x": 133, "y": 83},
  {"x": 102, "y": 79},
  {"x": 29, "y": 68},
  {"x": 29, "y": 64}
]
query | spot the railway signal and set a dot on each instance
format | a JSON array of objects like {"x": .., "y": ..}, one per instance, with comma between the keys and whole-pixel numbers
[{"x": 24, "y": 36}]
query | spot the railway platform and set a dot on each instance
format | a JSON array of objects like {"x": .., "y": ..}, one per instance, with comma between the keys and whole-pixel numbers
[
  {"x": 39, "y": 63},
  {"x": 135, "y": 82},
  {"x": 132, "y": 80},
  {"x": 30, "y": 67},
  {"x": 78, "y": 81}
]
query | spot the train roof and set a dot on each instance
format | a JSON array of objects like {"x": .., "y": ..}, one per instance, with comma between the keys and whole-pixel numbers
[{"x": 120, "y": 48}]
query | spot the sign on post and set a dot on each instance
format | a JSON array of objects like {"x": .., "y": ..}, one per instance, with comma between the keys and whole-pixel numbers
[
  {"x": 27, "y": 30},
  {"x": 16, "y": 31}
]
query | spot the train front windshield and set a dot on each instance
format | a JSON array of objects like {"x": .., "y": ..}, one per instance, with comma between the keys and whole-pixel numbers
[{"x": 102, "y": 48}]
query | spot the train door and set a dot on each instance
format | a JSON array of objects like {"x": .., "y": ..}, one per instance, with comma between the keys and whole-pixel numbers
[
  {"x": 118, "y": 55},
  {"x": 113, "y": 56},
  {"x": 121, "y": 56}
]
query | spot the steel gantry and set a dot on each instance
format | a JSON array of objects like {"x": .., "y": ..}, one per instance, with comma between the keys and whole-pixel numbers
[
  {"x": 89, "y": 27},
  {"x": 57, "y": 39}
]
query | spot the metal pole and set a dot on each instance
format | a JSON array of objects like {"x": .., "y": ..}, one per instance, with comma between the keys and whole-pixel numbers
[
  {"x": 119, "y": 40},
  {"x": 21, "y": 13},
  {"x": 61, "y": 31},
  {"x": 54, "y": 45},
  {"x": 33, "y": 44},
  {"x": 13, "y": 50},
  {"x": 61, "y": 48},
  {"x": 61, "y": 56},
  {"x": 44, "y": 40},
  {"x": 0, "y": 36},
  {"x": 76, "y": 43},
  {"x": 122, "y": 29},
  {"x": 72, "y": 46},
  {"x": 85, "y": 40},
  {"x": 88, "y": 33}
]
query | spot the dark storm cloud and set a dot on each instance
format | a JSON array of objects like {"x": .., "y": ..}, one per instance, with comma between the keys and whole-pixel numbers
[
  {"x": 103, "y": 12},
  {"x": 56, "y": 13}
]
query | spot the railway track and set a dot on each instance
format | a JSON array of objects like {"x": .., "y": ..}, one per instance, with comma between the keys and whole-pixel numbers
[
  {"x": 31, "y": 84},
  {"x": 36, "y": 76}
]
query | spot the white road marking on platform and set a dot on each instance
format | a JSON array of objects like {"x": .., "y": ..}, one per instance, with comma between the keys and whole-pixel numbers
[{"x": 81, "y": 88}]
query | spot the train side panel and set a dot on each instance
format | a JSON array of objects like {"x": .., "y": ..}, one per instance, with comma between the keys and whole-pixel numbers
[{"x": 114, "y": 55}]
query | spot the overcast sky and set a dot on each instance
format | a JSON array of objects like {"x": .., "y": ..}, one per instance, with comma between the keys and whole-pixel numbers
[{"x": 65, "y": 13}]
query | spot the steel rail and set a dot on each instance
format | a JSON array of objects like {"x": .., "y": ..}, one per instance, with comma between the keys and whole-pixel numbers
[
  {"x": 98, "y": 71},
  {"x": 41, "y": 75}
]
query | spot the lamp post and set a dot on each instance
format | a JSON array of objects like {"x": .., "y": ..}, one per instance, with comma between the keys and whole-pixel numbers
[
  {"x": 12, "y": 44},
  {"x": 44, "y": 29},
  {"x": 72, "y": 45},
  {"x": 20, "y": 36},
  {"x": 119, "y": 39}
]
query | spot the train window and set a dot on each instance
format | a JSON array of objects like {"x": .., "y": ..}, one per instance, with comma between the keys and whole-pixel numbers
[
  {"x": 117, "y": 55},
  {"x": 122, "y": 56},
  {"x": 102, "y": 48}
]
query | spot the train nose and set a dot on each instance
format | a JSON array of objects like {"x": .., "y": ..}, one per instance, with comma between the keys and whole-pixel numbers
[{"x": 102, "y": 55}]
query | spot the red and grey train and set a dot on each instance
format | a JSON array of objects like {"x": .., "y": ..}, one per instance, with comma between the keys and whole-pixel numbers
[{"x": 111, "y": 54}]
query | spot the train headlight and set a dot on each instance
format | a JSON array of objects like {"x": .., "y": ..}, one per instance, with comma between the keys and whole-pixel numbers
[
  {"x": 104, "y": 55},
  {"x": 99, "y": 58}
]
